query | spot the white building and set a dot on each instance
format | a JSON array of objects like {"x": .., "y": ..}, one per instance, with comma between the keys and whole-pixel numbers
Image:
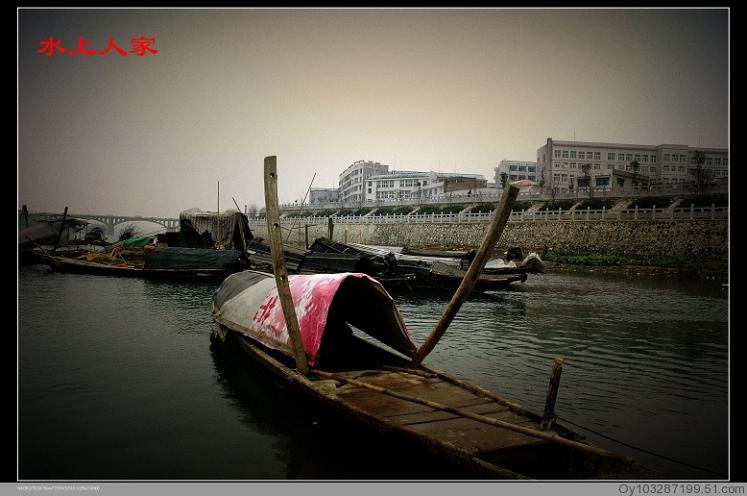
[
  {"x": 353, "y": 179},
  {"x": 323, "y": 195},
  {"x": 517, "y": 170},
  {"x": 407, "y": 185},
  {"x": 562, "y": 163}
]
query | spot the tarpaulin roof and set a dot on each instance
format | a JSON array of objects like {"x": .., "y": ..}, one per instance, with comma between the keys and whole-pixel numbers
[
  {"x": 223, "y": 228},
  {"x": 248, "y": 302}
]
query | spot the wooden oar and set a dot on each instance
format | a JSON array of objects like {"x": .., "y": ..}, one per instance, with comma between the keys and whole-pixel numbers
[{"x": 479, "y": 418}]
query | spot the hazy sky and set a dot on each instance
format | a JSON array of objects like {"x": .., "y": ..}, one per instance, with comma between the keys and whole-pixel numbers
[{"x": 448, "y": 90}]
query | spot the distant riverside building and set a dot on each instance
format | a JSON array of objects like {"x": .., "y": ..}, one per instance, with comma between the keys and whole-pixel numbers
[
  {"x": 516, "y": 170},
  {"x": 562, "y": 164},
  {"x": 353, "y": 179},
  {"x": 323, "y": 195},
  {"x": 406, "y": 185}
]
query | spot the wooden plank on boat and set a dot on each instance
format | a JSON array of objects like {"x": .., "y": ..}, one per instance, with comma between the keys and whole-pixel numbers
[
  {"x": 439, "y": 391},
  {"x": 475, "y": 437},
  {"x": 384, "y": 406},
  {"x": 432, "y": 415}
]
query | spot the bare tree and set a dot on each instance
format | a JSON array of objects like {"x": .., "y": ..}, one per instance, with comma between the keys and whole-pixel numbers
[{"x": 128, "y": 231}]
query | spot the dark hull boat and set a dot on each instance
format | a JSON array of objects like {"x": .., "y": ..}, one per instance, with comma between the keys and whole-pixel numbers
[
  {"x": 163, "y": 263},
  {"x": 325, "y": 256},
  {"x": 378, "y": 387}
]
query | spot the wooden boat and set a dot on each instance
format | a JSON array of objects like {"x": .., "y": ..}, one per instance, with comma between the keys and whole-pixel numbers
[
  {"x": 309, "y": 321},
  {"x": 163, "y": 263},
  {"x": 425, "y": 252},
  {"x": 382, "y": 389},
  {"x": 411, "y": 273}
]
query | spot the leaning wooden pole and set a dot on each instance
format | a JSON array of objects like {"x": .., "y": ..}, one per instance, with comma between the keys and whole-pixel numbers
[
  {"x": 500, "y": 218},
  {"x": 278, "y": 263}
]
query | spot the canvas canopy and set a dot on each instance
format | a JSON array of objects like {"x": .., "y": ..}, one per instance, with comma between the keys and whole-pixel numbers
[
  {"x": 199, "y": 229},
  {"x": 247, "y": 302}
]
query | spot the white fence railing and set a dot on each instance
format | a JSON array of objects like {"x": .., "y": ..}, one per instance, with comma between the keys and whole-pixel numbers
[{"x": 709, "y": 213}]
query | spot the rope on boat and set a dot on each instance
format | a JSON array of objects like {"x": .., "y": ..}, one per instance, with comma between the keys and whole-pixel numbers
[{"x": 640, "y": 449}]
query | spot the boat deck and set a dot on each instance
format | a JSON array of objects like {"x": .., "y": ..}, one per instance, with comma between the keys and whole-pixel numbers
[{"x": 471, "y": 436}]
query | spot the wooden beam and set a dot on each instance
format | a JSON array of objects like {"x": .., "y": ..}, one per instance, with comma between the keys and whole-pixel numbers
[
  {"x": 500, "y": 218},
  {"x": 278, "y": 263}
]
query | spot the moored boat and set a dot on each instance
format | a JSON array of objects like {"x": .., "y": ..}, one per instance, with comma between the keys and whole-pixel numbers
[
  {"x": 317, "y": 323},
  {"x": 378, "y": 386}
]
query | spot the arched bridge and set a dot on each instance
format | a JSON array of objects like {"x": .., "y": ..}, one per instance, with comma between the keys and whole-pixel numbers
[{"x": 111, "y": 221}]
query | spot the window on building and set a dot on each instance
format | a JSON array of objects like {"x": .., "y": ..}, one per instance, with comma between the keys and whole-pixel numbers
[
  {"x": 564, "y": 178},
  {"x": 597, "y": 155},
  {"x": 666, "y": 157},
  {"x": 681, "y": 168},
  {"x": 709, "y": 161},
  {"x": 644, "y": 158},
  {"x": 557, "y": 154},
  {"x": 629, "y": 157},
  {"x": 653, "y": 158},
  {"x": 683, "y": 158},
  {"x": 565, "y": 153},
  {"x": 620, "y": 156},
  {"x": 717, "y": 161},
  {"x": 666, "y": 168},
  {"x": 726, "y": 161},
  {"x": 556, "y": 178},
  {"x": 652, "y": 168},
  {"x": 602, "y": 181},
  {"x": 531, "y": 168},
  {"x": 581, "y": 154},
  {"x": 573, "y": 153},
  {"x": 573, "y": 165},
  {"x": 610, "y": 156}
]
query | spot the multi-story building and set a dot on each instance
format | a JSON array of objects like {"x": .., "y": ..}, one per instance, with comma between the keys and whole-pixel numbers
[
  {"x": 323, "y": 195},
  {"x": 353, "y": 179},
  {"x": 516, "y": 170},
  {"x": 563, "y": 163},
  {"x": 406, "y": 185}
]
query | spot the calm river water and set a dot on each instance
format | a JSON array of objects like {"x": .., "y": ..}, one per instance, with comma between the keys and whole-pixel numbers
[{"x": 118, "y": 379}]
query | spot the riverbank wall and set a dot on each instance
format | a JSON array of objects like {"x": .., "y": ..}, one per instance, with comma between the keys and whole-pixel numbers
[{"x": 642, "y": 239}]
